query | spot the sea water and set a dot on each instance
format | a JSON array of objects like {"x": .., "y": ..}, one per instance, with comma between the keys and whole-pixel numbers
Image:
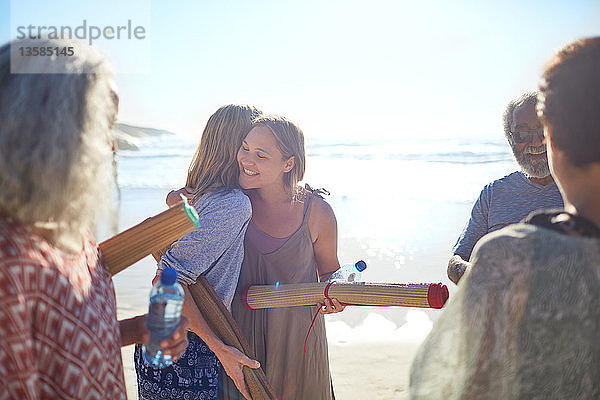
[{"x": 400, "y": 205}]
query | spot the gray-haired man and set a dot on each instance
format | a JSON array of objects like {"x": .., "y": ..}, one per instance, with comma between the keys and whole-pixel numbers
[{"x": 510, "y": 199}]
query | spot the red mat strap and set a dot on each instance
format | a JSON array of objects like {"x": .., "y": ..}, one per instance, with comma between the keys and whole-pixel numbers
[
  {"x": 245, "y": 298},
  {"x": 326, "y": 294},
  {"x": 311, "y": 325},
  {"x": 326, "y": 291}
]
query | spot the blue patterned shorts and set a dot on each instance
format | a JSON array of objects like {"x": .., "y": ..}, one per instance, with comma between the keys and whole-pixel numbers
[{"x": 194, "y": 376}]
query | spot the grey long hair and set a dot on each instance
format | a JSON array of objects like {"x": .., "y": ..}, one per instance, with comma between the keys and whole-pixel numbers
[{"x": 55, "y": 140}]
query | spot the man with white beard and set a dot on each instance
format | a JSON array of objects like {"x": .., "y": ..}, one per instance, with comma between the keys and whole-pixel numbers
[{"x": 510, "y": 199}]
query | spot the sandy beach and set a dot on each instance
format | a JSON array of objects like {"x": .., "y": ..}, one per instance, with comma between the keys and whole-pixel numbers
[
  {"x": 372, "y": 370},
  {"x": 360, "y": 370},
  {"x": 377, "y": 369},
  {"x": 403, "y": 109}
]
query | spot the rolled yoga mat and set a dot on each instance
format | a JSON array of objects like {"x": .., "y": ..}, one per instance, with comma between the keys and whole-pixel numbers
[
  {"x": 152, "y": 234},
  {"x": 422, "y": 295},
  {"x": 221, "y": 322}
]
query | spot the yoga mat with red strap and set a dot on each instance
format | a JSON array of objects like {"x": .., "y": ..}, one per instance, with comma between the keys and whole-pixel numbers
[{"x": 422, "y": 295}]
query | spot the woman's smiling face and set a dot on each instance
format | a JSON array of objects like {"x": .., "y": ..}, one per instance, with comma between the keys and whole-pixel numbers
[{"x": 260, "y": 160}]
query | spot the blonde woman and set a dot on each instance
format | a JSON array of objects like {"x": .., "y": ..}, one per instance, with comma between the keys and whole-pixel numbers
[
  {"x": 214, "y": 250},
  {"x": 292, "y": 238},
  {"x": 60, "y": 335}
]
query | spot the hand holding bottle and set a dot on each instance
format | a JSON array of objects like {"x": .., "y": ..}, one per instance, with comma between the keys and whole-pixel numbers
[
  {"x": 134, "y": 330},
  {"x": 164, "y": 316}
]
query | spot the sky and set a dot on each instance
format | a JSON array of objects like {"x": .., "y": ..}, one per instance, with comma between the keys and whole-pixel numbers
[{"x": 343, "y": 70}]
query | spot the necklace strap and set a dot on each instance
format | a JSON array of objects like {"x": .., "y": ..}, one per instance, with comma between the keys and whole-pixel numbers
[{"x": 564, "y": 222}]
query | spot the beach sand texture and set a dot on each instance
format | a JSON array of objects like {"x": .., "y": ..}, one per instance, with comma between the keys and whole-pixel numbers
[
  {"x": 360, "y": 370},
  {"x": 367, "y": 371}
]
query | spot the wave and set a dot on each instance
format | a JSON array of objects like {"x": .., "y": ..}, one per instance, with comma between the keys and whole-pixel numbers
[
  {"x": 458, "y": 157},
  {"x": 159, "y": 155},
  {"x": 162, "y": 161},
  {"x": 427, "y": 150},
  {"x": 460, "y": 151}
]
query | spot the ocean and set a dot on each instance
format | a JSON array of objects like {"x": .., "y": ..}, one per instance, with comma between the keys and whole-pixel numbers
[{"x": 400, "y": 206}]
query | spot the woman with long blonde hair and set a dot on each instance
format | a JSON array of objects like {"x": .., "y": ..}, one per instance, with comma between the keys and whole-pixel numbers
[{"x": 215, "y": 250}]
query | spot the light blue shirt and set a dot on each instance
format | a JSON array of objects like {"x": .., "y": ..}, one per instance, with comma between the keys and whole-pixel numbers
[
  {"x": 503, "y": 202},
  {"x": 216, "y": 248}
]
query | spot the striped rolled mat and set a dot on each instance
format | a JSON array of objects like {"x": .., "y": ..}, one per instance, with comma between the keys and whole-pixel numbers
[
  {"x": 157, "y": 232},
  {"x": 422, "y": 295},
  {"x": 154, "y": 236}
]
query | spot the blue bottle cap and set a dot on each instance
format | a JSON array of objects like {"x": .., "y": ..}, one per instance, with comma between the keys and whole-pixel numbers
[
  {"x": 168, "y": 276},
  {"x": 361, "y": 265}
]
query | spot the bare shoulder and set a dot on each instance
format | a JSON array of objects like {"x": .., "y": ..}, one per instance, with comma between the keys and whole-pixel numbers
[
  {"x": 321, "y": 210},
  {"x": 321, "y": 218}
]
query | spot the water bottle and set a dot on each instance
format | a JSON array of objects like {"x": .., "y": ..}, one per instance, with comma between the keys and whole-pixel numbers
[
  {"x": 164, "y": 314},
  {"x": 349, "y": 273}
]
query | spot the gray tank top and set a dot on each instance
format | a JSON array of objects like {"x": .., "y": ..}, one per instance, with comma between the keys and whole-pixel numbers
[{"x": 264, "y": 242}]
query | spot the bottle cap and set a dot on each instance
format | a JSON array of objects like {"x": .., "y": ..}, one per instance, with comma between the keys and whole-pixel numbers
[
  {"x": 168, "y": 276},
  {"x": 361, "y": 265},
  {"x": 190, "y": 211}
]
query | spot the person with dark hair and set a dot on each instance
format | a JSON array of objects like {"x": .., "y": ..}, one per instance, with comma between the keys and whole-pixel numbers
[
  {"x": 524, "y": 322},
  {"x": 510, "y": 199}
]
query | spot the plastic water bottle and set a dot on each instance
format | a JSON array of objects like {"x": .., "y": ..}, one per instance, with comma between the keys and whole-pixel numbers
[
  {"x": 349, "y": 273},
  {"x": 164, "y": 314}
]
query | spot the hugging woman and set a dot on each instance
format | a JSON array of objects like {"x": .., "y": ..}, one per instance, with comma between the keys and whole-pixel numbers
[{"x": 215, "y": 250}]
